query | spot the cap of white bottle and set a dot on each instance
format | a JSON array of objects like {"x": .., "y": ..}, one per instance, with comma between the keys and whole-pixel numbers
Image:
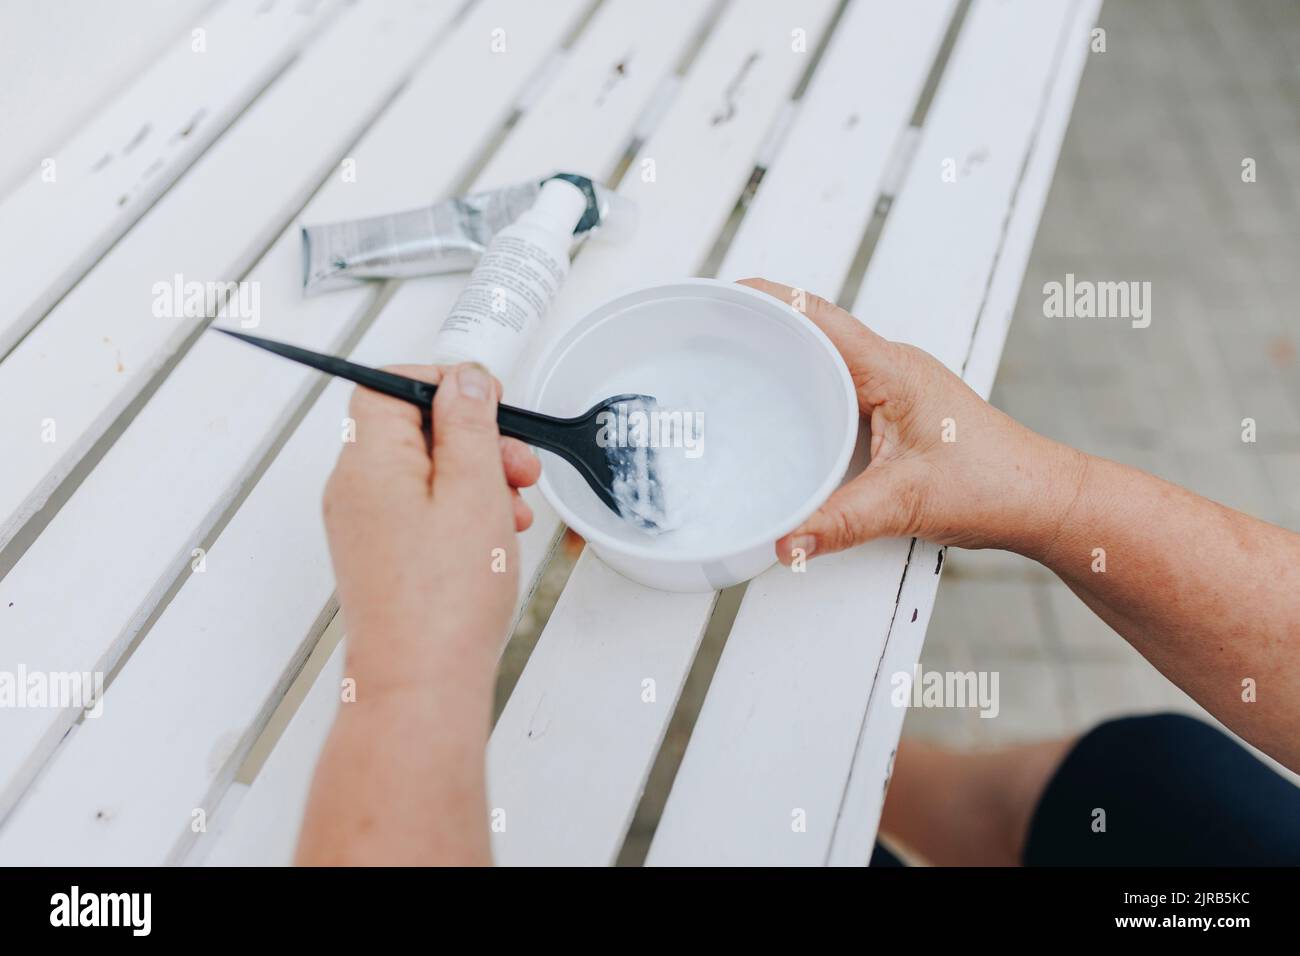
[
  {"x": 559, "y": 206},
  {"x": 523, "y": 265}
]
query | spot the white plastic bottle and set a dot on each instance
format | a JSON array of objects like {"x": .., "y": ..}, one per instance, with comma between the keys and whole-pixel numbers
[{"x": 513, "y": 284}]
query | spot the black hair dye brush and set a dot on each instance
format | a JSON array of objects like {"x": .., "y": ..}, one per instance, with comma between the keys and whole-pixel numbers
[{"x": 625, "y": 479}]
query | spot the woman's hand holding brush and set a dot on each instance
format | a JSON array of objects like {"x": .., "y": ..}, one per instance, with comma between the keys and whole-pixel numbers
[{"x": 423, "y": 543}]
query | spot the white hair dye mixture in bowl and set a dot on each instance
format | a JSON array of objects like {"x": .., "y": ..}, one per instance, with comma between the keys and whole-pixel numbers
[{"x": 754, "y": 404}]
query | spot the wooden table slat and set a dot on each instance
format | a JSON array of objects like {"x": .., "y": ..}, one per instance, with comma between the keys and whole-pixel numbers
[{"x": 110, "y": 173}]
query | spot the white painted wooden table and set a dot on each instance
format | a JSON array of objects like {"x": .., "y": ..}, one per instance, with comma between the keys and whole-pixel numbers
[{"x": 159, "y": 495}]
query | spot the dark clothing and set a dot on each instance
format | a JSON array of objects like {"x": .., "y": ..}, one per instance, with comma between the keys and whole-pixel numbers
[{"x": 1160, "y": 790}]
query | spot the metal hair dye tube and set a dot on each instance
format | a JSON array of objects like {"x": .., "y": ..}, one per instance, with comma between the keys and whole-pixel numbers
[{"x": 448, "y": 236}]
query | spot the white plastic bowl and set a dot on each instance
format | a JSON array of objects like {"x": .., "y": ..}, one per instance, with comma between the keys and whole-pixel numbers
[{"x": 763, "y": 345}]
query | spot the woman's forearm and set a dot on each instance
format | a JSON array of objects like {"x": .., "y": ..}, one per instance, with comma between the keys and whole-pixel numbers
[
  {"x": 422, "y": 539},
  {"x": 1209, "y": 595},
  {"x": 400, "y": 781}
]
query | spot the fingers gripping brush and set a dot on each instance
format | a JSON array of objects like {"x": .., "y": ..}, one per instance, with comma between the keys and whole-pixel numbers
[{"x": 624, "y": 477}]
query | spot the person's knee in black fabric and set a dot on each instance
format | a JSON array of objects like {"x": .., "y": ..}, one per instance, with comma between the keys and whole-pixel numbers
[{"x": 1164, "y": 789}]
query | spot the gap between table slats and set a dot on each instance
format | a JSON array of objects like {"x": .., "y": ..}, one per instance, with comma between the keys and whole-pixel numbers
[
  {"x": 171, "y": 477},
  {"x": 260, "y": 826},
  {"x": 109, "y": 174}
]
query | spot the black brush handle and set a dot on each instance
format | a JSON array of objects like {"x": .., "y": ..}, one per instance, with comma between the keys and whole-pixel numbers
[
  {"x": 398, "y": 386},
  {"x": 570, "y": 439},
  {"x": 534, "y": 428},
  {"x": 562, "y": 436},
  {"x": 544, "y": 431}
]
